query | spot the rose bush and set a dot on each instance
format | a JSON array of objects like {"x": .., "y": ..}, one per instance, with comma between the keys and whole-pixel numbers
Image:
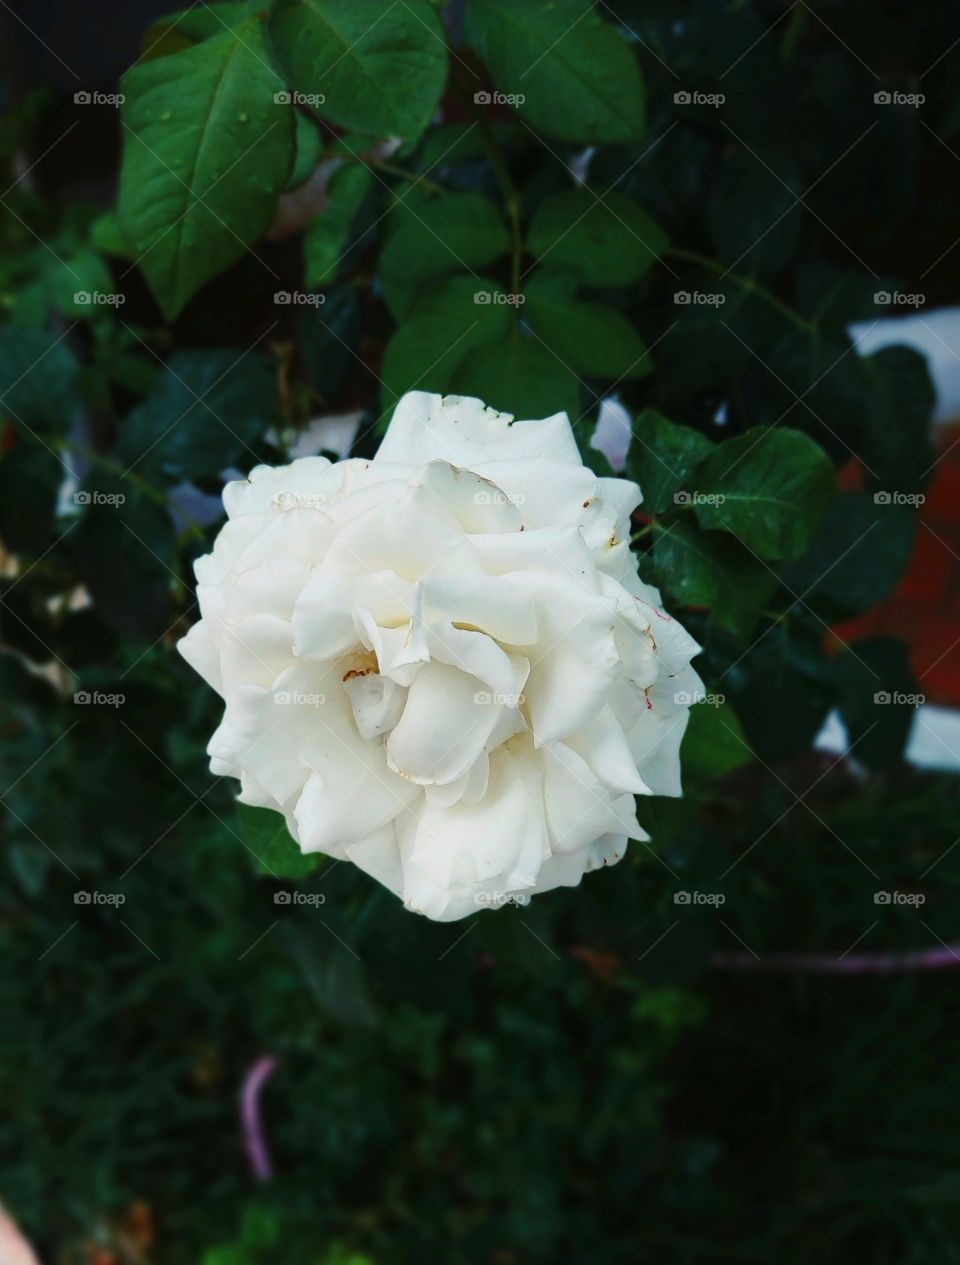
[{"x": 441, "y": 664}]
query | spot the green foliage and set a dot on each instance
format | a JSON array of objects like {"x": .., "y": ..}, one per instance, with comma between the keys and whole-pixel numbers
[
  {"x": 606, "y": 242},
  {"x": 208, "y": 148},
  {"x": 507, "y": 199},
  {"x": 378, "y": 68},
  {"x": 577, "y": 78}
]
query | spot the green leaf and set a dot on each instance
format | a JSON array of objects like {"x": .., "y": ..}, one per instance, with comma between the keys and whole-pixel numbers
[
  {"x": 429, "y": 238},
  {"x": 37, "y": 378},
  {"x": 205, "y": 413},
  {"x": 714, "y": 742},
  {"x": 380, "y": 67},
  {"x": 30, "y": 478},
  {"x": 309, "y": 147},
  {"x": 518, "y": 376},
  {"x": 269, "y": 840},
  {"x": 328, "y": 236},
  {"x": 896, "y": 448},
  {"x": 207, "y": 149},
  {"x": 590, "y": 337},
  {"x": 177, "y": 31},
  {"x": 768, "y": 487},
  {"x": 878, "y": 697},
  {"x": 439, "y": 332},
  {"x": 697, "y": 569},
  {"x": 662, "y": 459},
  {"x": 575, "y": 77},
  {"x": 856, "y": 558},
  {"x": 608, "y": 243}
]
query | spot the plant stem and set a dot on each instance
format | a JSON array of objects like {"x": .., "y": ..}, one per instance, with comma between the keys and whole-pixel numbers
[{"x": 745, "y": 283}]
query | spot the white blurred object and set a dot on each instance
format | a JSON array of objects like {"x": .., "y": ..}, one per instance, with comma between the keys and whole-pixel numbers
[
  {"x": 14, "y": 1248},
  {"x": 613, "y": 432},
  {"x": 934, "y": 741},
  {"x": 936, "y": 335},
  {"x": 335, "y": 433}
]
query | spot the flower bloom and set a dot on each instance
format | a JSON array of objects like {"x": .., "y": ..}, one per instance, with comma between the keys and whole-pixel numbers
[{"x": 441, "y": 664}]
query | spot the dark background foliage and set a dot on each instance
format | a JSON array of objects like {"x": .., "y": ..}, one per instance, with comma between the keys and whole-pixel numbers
[{"x": 580, "y": 1080}]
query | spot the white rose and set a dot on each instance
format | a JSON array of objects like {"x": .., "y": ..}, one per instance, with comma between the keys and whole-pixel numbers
[{"x": 441, "y": 664}]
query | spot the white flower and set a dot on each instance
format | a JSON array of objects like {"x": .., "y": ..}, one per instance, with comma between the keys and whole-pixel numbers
[{"x": 441, "y": 664}]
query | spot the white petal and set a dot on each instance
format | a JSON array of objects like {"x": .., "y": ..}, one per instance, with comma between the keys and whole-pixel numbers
[
  {"x": 454, "y": 857},
  {"x": 200, "y": 651},
  {"x": 444, "y": 727},
  {"x": 463, "y": 431}
]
